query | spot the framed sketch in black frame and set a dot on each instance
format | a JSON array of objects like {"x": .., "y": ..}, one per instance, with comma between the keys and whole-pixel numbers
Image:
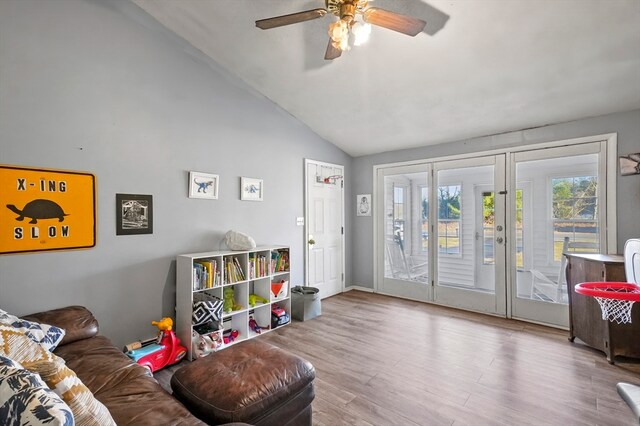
[{"x": 134, "y": 214}]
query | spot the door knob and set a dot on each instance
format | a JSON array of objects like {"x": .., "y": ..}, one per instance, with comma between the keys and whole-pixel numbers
[
  {"x": 499, "y": 240},
  {"x": 499, "y": 228}
]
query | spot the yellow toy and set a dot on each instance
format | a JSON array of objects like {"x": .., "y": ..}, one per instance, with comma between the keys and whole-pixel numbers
[
  {"x": 165, "y": 324},
  {"x": 253, "y": 298},
  {"x": 229, "y": 303}
]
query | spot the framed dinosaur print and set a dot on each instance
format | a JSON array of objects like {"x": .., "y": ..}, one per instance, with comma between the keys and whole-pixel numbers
[
  {"x": 203, "y": 185},
  {"x": 45, "y": 209},
  {"x": 251, "y": 189}
]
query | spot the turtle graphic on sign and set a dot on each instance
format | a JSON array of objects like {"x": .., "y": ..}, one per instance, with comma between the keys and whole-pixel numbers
[{"x": 39, "y": 209}]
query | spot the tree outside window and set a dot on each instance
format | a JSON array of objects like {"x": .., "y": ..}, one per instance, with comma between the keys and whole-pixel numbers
[
  {"x": 449, "y": 218},
  {"x": 575, "y": 212}
]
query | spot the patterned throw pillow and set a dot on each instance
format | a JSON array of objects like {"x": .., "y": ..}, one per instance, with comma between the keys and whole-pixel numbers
[
  {"x": 87, "y": 410},
  {"x": 26, "y": 400},
  {"x": 16, "y": 345},
  {"x": 48, "y": 336}
]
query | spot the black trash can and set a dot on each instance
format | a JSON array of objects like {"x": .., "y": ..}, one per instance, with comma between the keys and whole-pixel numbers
[{"x": 305, "y": 303}]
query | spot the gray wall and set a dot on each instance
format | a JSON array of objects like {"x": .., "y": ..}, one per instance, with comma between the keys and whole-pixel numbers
[
  {"x": 625, "y": 124},
  {"x": 100, "y": 86}
]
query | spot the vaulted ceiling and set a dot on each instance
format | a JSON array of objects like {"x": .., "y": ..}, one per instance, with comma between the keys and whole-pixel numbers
[{"x": 479, "y": 67}]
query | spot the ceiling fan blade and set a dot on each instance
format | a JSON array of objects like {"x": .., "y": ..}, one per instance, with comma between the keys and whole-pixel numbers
[
  {"x": 294, "y": 18},
  {"x": 332, "y": 52},
  {"x": 394, "y": 21}
]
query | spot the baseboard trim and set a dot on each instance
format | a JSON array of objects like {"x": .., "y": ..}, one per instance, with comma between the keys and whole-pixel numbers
[{"x": 359, "y": 288}]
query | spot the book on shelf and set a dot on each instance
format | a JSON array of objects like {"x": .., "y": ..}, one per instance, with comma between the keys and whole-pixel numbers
[
  {"x": 257, "y": 266},
  {"x": 206, "y": 274},
  {"x": 233, "y": 271},
  {"x": 279, "y": 261},
  {"x": 198, "y": 276}
]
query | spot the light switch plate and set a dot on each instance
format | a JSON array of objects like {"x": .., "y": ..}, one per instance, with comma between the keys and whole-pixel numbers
[{"x": 300, "y": 221}]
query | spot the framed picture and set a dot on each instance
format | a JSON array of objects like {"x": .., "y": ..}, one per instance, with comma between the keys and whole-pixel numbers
[
  {"x": 251, "y": 189},
  {"x": 134, "y": 214},
  {"x": 630, "y": 165},
  {"x": 203, "y": 185},
  {"x": 363, "y": 204}
]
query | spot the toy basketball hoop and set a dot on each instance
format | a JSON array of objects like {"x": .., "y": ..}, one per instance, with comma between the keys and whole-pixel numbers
[{"x": 615, "y": 299}]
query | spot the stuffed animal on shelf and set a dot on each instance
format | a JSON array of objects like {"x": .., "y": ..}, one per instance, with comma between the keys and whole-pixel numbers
[
  {"x": 253, "y": 298},
  {"x": 229, "y": 303}
]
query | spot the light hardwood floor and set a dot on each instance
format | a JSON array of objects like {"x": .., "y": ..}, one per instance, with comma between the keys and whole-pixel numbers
[{"x": 385, "y": 361}]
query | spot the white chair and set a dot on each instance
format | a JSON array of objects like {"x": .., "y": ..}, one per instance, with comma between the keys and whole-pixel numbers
[
  {"x": 402, "y": 266},
  {"x": 544, "y": 288},
  {"x": 632, "y": 260}
]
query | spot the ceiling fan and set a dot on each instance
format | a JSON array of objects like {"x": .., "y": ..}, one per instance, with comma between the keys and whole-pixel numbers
[{"x": 348, "y": 11}]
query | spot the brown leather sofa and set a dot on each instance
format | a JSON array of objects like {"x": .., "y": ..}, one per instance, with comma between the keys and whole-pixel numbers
[{"x": 132, "y": 396}]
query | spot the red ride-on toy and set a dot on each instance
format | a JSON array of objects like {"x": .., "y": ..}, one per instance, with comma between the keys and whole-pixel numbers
[{"x": 167, "y": 349}]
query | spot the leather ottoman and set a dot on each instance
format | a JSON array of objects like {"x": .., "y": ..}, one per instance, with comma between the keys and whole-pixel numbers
[{"x": 252, "y": 382}]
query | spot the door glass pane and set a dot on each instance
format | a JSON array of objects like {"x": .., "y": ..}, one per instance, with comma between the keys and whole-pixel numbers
[
  {"x": 556, "y": 212},
  {"x": 406, "y": 226},
  {"x": 449, "y": 205},
  {"x": 519, "y": 229},
  {"x": 424, "y": 217},
  {"x": 466, "y": 228},
  {"x": 488, "y": 223},
  {"x": 575, "y": 213}
]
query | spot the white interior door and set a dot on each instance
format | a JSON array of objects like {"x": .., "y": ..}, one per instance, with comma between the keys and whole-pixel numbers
[{"x": 324, "y": 211}]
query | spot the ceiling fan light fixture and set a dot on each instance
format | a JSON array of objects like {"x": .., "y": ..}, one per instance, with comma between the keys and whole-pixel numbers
[
  {"x": 355, "y": 18},
  {"x": 361, "y": 32},
  {"x": 339, "y": 33}
]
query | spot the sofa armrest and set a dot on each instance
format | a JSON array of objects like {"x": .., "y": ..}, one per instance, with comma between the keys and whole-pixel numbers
[{"x": 77, "y": 321}]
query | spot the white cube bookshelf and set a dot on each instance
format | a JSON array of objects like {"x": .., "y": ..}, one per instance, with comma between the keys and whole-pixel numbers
[{"x": 254, "y": 272}]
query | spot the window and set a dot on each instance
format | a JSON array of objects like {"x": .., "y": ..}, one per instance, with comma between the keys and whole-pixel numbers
[
  {"x": 575, "y": 211},
  {"x": 449, "y": 219},
  {"x": 424, "y": 218}
]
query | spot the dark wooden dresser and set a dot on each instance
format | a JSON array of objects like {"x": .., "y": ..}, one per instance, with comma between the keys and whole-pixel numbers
[{"x": 585, "y": 315}]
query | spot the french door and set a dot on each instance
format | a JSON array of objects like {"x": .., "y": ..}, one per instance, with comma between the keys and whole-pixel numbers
[
  {"x": 558, "y": 206},
  {"x": 488, "y": 233},
  {"x": 428, "y": 233},
  {"x": 403, "y": 200},
  {"x": 469, "y": 233}
]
